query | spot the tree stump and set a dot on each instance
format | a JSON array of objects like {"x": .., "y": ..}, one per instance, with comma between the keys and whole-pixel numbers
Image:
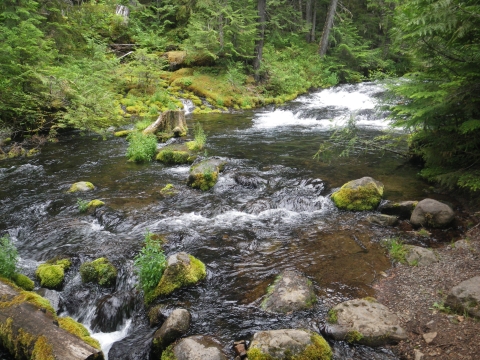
[{"x": 171, "y": 123}]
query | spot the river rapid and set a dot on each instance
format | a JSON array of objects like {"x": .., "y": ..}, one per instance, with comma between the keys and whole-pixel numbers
[{"x": 245, "y": 232}]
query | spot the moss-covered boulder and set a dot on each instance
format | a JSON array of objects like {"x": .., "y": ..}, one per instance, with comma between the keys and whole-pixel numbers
[
  {"x": 289, "y": 344},
  {"x": 358, "y": 195},
  {"x": 204, "y": 175},
  {"x": 176, "y": 154},
  {"x": 92, "y": 205},
  {"x": 81, "y": 186},
  {"x": 23, "y": 281},
  {"x": 122, "y": 133},
  {"x": 182, "y": 270},
  {"x": 99, "y": 271},
  {"x": 52, "y": 273},
  {"x": 168, "y": 190}
]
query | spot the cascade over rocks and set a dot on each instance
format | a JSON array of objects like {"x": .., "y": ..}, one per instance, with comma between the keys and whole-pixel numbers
[
  {"x": 173, "y": 328},
  {"x": 198, "y": 347},
  {"x": 401, "y": 209},
  {"x": 136, "y": 346},
  {"x": 111, "y": 310},
  {"x": 171, "y": 123},
  {"x": 433, "y": 213},
  {"x": 465, "y": 297},
  {"x": 25, "y": 329},
  {"x": 361, "y": 194},
  {"x": 366, "y": 322},
  {"x": 291, "y": 291},
  {"x": 277, "y": 344},
  {"x": 419, "y": 256}
]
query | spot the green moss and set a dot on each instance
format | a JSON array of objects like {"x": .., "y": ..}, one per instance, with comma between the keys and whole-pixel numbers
[
  {"x": 205, "y": 180},
  {"x": 173, "y": 280},
  {"x": 168, "y": 190},
  {"x": 332, "y": 316},
  {"x": 38, "y": 301},
  {"x": 353, "y": 336},
  {"x": 170, "y": 157},
  {"x": 257, "y": 354},
  {"x": 50, "y": 276},
  {"x": 23, "y": 281},
  {"x": 43, "y": 350},
  {"x": 80, "y": 186},
  {"x": 78, "y": 330},
  {"x": 370, "y": 299},
  {"x": 95, "y": 203},
  {"x": 362, "y": 198},
  {"x": 168, "y": 354},
  {"x": 32, "y": 152},
  {"x": 122, "y": 133},
  {"x": 99, "y": 271}
]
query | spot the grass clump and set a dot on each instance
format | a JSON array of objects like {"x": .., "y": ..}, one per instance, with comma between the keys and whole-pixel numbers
[
  {"x": 142, "y": 147},
  {"x": 150, "y": 263},
  {"x": 82, "y": 205},
  {"x": 8, "y": 257},
  {"x": 99, "y": 271},
  {"x": 397, "y": 250},
  {"x": 332, "y": 316},
  {"x": 353, "y": 336},
  {"x": 77, "y": 329},
  {"x": 200, "y": 138}
]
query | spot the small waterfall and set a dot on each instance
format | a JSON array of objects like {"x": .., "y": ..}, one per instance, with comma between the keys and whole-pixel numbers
[{"x": 188, "y": 106}]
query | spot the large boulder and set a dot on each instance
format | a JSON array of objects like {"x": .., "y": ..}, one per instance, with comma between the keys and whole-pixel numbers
[
  {"x": 173, "y": 328},
  {"x": 287, "y": 344},
  {"x": 291, "y": 291},
  {"x": 401, "y": 209},
  {"x": 196, "y": 347},
  {"x": 361, "y": 194},
  {"x": 432, "y": 213},
  {"x": 182, "y": 270},
  {"x": 364, "y": 321},
  {"x": 204, "y": 175},
  {"x": 465, "y": 297},
  {"x": 418, "y": 256},
  {"x": 30, "y": 333}
]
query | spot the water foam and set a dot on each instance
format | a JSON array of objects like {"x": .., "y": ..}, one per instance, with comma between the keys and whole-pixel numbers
[{"x": 106, "y": 340}]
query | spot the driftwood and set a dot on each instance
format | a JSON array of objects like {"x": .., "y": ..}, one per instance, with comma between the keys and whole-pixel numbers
[{"x": 170, "y": 122}]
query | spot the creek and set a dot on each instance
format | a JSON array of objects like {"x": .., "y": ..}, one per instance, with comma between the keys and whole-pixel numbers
[{"x": 246, "y": 232}]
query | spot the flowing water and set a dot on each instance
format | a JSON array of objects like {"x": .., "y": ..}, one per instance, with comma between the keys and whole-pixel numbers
[{"x": 269, "y": 211}]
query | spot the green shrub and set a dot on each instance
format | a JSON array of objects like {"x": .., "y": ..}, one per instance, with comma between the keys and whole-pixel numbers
[
  {"x": 82, "y": 205},
  {"x": 142, "y": 148},
  {"x": 8, "y": 257},
  {"x": 150, "y": 263}
]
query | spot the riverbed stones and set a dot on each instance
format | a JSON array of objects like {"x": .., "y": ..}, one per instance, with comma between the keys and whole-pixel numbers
[
  {"x": 204, "y": 175},
  {"x": 366, "y": 322},
  {"x": 285, "y": 343},
  {"x": 465, "y": 297},
  {"x": 182, "y": 270},
  {"x": 291, "y": 291},
  {"x": 383, "y": 220},
  {"x": 81, "y": 186},
  {"x": 432, "y": 213},
  {"x": 358, "y": 195},
  {"x": 197, "y": 347},
  {"x": 173, "y": 328},
  {"x": 402, "y": 210},
  {"x": 418, "y": 256}
]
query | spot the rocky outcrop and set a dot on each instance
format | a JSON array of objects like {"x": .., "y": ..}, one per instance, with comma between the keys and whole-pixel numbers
[
  {"x": 418, "y": 256},
  {"x": 81, "y": 186},
  {"x": 402, "y": 210},
  {"x": 358, "y": 195},
  {"x": 291, "y": 291},
  {"x": 196, "y": 347},
  {"x": 364, "y": 321},
  {"x": 30, "y": 333},
  {"x": 465, "y": 297},
  {"x": 182, "y": 270},
  {"x": 204, "y": 175},
  {"x": 173, "y": 328},
  {"x": 170, "y": 123},
  {"x": 383, "y": 220},
  {"x": 432, "y": 213},
  {"x": 287, "y": 344}
]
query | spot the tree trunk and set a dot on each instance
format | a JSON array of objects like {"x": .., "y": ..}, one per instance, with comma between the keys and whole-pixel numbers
[
  {"x": 308, "y": 18},
  {"x": 314, "y": 21},
  {"x": 322, "y": 50},
  {"x": 262, "y": 10}
]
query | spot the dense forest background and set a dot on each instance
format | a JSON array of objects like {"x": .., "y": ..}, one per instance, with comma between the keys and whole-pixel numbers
[{"x": 90, "y": 65}]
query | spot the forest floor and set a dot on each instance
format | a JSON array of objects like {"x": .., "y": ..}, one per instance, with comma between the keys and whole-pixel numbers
[{"x": 417, "y": 295}]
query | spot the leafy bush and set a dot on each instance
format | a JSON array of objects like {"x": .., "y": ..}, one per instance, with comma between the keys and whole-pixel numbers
[
  {"x": 8, "y": 257},
  {"x": 142, "y": 148},
  {"x": 82, "y": 205},
  {"x": 150, "y": 263}
]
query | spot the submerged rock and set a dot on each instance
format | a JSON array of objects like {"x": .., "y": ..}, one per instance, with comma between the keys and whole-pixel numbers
[
  {"x": 204, "y": 175},
  {"x": 433, "y": 213},
  {"x": 176, "y": 154},
  {"x": 249, "y": 182},
  {"x": 465, "y": 297},
  {"x": 52, "y": 273},
  {"x": 182, "y": 270},
  {"x": 402, "y": 209},
  {"x": 173, "y": 328},
  {"x": 358, "y": 195},
  {"x": 383, "y": 220},
  {"x": 288, "y": 343},
  {"x": 364, "y": 321},
  {"x": 198, "y": 347},
  {"x": 112, "y": 310},
  {"x": 418, "y": 256},
  {"x": 291, "y": 291},
  {"x": 81, "y": 186},
  {"x": 136, "y": 346},
  {"x": 99, "y": 271}
]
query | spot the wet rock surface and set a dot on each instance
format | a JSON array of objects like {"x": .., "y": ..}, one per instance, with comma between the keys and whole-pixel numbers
[
  {"x": 173, "y": 328},
  {"x": 433, "y": 213},
  {"x": 402, "y": 210},
  {"x": 199, "y": 347},
  {"x": 465, "y": 297},
  {"x": 112, "y": 310},
  {"x": 383, "y": 220},
  {"x": 136, "y": 346},
  {"x": 52, "y": 296},
  {"x": 291, "y": 291},
  {"x": 418, "y": 256}
]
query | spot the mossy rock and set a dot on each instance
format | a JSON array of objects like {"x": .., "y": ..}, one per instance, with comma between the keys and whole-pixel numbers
[
  {"x": 52, "y": 273},
  {"x": 81, "y": 186},
  {"x": 168, "y": 190},
  {"x": 176, "y": 154},
  {"x": 77, "y": 329},
  {"x": 95, "y": 204},
  {"x": 204, "y": 175},
  {"x": 182, "y": 270},
  {"x": 122, "y": 133},
  {"x": 359, "y": 195},
  {"x": 23, "y": 281},
  {"x": 99, "y": 271}
]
